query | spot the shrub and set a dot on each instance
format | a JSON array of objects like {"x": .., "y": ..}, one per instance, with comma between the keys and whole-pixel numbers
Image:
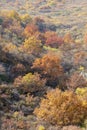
[
  {"x": 62, "y": 108},
  {"x": 10, "y": 47},
  {"x": 68, "y": 38},
  {"x": 50, "y": 67},
  {"x": 53, "y": 40},
  {"x": 32, "y": 45},
  {"x": 13, "y": 15},
  {"x": 30, "y": 30},
  {"x": 18, "y": 69},
  {"x": 30, "y": 82},
  {"x": 76, "y": 80},
  {"x": 82, "y": 92},
  {"x": 80, "y": 57},
  {"x": 26, "y": 19}
]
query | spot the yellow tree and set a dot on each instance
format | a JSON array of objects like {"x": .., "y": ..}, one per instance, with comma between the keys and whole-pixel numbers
[
  {"x": 32, "y": 45},
  {"x": 62, "y": 108}
]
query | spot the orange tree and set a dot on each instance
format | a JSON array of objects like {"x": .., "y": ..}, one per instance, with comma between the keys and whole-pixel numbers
[
  {"x": 52, "y": 39},
  {"x": 30, "y": 30},
  {"x": 49, "y": 66}
]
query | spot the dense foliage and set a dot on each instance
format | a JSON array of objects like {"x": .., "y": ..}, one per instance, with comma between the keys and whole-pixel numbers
[
  {"x": 62, "y": 108},
  {"x": 41, "y": 71}
]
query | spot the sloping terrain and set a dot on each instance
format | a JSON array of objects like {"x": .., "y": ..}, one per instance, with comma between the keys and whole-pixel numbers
[
  {"x": 68, "y": 16},
  {"x": 43, "y": 65}
]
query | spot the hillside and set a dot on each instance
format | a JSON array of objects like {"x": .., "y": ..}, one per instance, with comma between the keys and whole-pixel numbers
[
  {"x": 43, "y": 65},
  {"x": 68, "y": 16}
]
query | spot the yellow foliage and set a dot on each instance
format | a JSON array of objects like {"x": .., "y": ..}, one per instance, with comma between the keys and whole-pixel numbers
[
  {"x": 81, "y": 68},
  {"x": 32, "y": 45},
  {"x": 15, "y": 114},
  {"x": 30, "y": 82},
  {"x": 41, "y": 127},
  {"x": 26, "y": 18},
  {"x": 9, "y": 47},
  {"x": 13, "y": 14},
  {"x": 62, "y": 108},
  {"x": 82, "y": 92}
]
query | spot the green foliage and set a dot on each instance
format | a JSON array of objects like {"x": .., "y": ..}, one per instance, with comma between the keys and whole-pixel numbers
[{"x": 4, "y": 77}]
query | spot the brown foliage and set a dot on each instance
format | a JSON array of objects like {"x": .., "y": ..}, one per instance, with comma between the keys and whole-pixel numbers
[
  {"x": 76, "y": 80},
  {"x": 80, "y": 57},
  {"x": 68, "y": 38},
  {"x": 18, "y": 69},
  {"x": 30, "y": 82},
  {"x": 53, "y": 40}
]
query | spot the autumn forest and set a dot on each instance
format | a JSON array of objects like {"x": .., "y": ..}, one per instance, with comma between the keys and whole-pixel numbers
[{"x": 43, "y": 65}]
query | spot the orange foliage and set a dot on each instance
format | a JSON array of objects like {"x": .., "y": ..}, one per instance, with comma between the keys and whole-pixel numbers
[
  {"x": 49, "y": 65},
  {"x": 30, "y": 30},
  {"x": 68, "y": 38},
  {"x": 52, "y": 39}
]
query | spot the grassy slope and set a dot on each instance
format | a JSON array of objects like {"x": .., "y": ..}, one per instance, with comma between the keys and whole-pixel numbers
[{"x": 69, "y": 16}]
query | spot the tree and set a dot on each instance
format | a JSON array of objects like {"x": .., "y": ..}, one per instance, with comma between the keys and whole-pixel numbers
[
  {"x": 76, "y": 80},
  {"x": 26, "y": 19},
  {"x": 62, "y": 108},
  {"x": 16, "y": 28},
  {"x": 9, "y": 48},
  {"x": 32, "y": 45},
  {"x": 30, "y": 30},
  {"x": 18, "y": 69},
  {"x": 80, "y": 57},
  {"x": 30, "y": 83},
  {"x": 49, "y": 66},
  {"x": 13, "y": 15},
  {"x": 53, "y": 40}
]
